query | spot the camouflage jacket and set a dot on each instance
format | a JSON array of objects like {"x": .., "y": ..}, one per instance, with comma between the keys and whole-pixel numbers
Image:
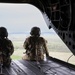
[
  {"x": 35, "y": 48},
  {"x": 6, "y": 50}
]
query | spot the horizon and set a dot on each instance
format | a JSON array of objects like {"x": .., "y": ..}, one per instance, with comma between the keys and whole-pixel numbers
[{"x": 51, "y": 31}]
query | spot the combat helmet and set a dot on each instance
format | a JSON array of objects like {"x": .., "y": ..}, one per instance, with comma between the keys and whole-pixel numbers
[
  {"x": 35, "y": 31},
  {"x": 3, "y": 32}
]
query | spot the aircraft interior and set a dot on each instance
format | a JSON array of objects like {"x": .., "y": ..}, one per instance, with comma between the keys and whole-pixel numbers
[{"x": 59, "y": 15}]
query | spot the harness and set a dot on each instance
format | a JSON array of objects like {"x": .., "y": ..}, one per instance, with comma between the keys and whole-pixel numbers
[{"x": 33, "y": 48}]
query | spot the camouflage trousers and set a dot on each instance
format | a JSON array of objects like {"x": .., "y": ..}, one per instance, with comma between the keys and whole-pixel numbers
[{"x": 5, "y": 61}]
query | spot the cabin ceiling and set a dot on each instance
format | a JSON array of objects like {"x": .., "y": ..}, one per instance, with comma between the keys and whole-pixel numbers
[{"x": 58, "y": 14}]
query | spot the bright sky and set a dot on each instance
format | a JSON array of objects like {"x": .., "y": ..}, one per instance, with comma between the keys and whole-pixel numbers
[{"x": 21, "y": 18}]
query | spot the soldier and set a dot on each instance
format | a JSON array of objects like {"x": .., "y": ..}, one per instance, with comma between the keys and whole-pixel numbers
[
  {"x": 35, "y": 46},
  {"x": 6, "y": 47}
]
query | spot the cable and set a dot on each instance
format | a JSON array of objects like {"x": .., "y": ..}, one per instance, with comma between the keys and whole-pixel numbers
[
  {"x": 68, "y": 61},
  {"x": 50, "y": 69},
  {"x": 42, "y": 5},
  {"x": 69, "y": 58},
  {"x": 55, "y": 73}
]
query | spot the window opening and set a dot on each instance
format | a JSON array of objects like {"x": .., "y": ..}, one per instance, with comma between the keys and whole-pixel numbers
[{"x": 19, "y": 19}]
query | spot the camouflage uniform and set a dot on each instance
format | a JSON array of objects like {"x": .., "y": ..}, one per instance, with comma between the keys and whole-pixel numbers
[
  {"x": 6, "y": 50},
  {"x": 6, "y": 47},
  {"x": 35, "y": 48}
]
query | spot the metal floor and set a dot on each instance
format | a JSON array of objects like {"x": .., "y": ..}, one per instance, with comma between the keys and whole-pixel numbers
[{"x": 23, "y": 67}]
